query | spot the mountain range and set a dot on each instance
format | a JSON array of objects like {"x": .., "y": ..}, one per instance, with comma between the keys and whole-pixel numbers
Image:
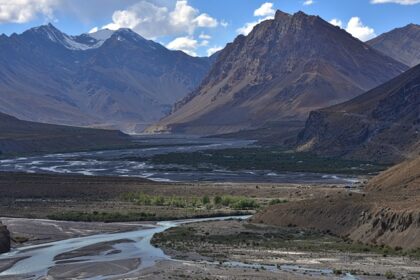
[
  {"x": 106, "y": 79},
  {"x": 282, "y": 70},
  {"x": 402, "y": 44},
  {"x": 382, "y": 125}
]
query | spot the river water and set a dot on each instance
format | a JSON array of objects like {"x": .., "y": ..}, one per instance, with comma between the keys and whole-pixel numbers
[
  {"x": 133, "y": 163},
  {"x": 35, "y": 262}
]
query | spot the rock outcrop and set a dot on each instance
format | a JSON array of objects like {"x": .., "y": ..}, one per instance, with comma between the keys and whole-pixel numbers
[
  {"x": 381, "y": 125},
  {"x": 4, "y": 239}
]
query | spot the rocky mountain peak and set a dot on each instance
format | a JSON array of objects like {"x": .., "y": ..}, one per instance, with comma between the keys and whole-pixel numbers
[
  {"x": 49, "y": 30},
  {"x": 281, "y": 15},
  {"x": 402, "y": 44},
  {"x": 281, "y": 70}
]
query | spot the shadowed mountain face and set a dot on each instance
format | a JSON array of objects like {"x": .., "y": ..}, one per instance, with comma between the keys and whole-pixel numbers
[
  {"x": 282, "y": 70},
  {"x": 402, "y": 44},
  {"x": 111, "y": 79},
  {"x": 24, "y": 137},
  {"x": 381, "y": 125}
]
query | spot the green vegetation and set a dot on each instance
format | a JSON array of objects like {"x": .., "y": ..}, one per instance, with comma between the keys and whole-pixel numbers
[
  {"x": 294, "y": 239},
  {"x": 110, "y": 217},
  {"x": 217, "y": 202},
  {"x": 277, "y": 201},
  {"x": 267, "y": 158},
  {"x": 101, "y": 216},
  {"x": 389, "y": 275}
]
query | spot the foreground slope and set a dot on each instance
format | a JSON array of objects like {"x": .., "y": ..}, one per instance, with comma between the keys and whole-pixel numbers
[
  {"x": 381, "y": 125},
  {"x": 402, "y": 44},
  {"x": 388, "y": 213},
  {"x": 109, "y": 78},
  {"x": 24, "y": 137},
  {"x": 283, "y": 69}
]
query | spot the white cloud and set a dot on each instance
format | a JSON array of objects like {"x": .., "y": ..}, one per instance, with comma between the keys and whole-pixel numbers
[
  {"x": 213, "y": 50},
  {"x": 204, "y": 20},
  {"x": 21, "y": 11},
  {"x": 266, "y": 9},
  {"x": 356, "y": 28},
  {"x": 247, "y": 28},
  {"x": 126, "y": 19},
  {"x": 336, "y": 22},
  {"x": 224, "y": 23},
  {"x": 308, "y": 2},
  {"x": 401, "y": 2},
  {"x": 185, "y": 44},
  {"x": 204, "y": 36},
  {"x": 152, "y": 20}
]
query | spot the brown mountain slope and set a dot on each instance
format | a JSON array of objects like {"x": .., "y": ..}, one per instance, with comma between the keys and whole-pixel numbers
[
  {"x": 388, "y": 213},
  {"x": 23, "y": 137},
  {"x": 381, "y": 125},
  {"x": 283, "y": 69},
  {"x": 402, "y": 44},
  {"x": 402, "y": 179}
]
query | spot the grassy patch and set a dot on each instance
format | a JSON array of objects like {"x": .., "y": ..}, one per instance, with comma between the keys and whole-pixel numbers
[
  {"x": 217, "y": 202},
  {"x": 267, "y": 158},
  {"x": 109, "y": 217}
]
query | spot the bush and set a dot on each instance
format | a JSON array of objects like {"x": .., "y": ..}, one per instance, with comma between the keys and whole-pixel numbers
[
  {"x": 389, "y": 275},
  {"x": 217, "y": 200},
  {"x": 277, "y": 201},
  {"x": 206, "y": 200},
  {"x": 245, "y": 203}
]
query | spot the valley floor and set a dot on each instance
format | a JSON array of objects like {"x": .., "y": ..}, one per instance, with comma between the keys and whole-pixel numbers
[
  {"x": 262, "y": 251},
  {"x": 117, "y": 199},
  {"x": 206, "y": 250}
]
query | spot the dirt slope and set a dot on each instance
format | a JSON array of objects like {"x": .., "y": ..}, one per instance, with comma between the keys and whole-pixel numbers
[{"x": 388, "y": 213}]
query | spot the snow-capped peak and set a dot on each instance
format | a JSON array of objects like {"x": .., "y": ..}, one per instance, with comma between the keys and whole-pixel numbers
[
  {"x": 86, "y": 41},
  {"x": 101, "y": 35}
]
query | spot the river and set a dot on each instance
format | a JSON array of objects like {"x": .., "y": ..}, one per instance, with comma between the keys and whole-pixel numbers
[
  {"x": 134, "y": 163},
  {"x": 40, "y": 261}
]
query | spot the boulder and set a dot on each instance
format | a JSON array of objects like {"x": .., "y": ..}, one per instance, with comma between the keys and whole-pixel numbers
[{"x": 4, "y": 239}]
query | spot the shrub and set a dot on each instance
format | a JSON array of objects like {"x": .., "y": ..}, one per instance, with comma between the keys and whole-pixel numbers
[
  {"x": 389, "y": 275},
  {"x": 205, "y": 200},
  {"x": 277, "y": 201},
  {"x": 217, "y": 200}
]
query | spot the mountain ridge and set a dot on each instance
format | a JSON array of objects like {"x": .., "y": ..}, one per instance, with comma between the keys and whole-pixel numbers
[
  {"x": 123, "y": 81},
  {"x": 381, "y": 125},
  {"x": 402, "y": 44},
  {"x": 283, "y": 69}
]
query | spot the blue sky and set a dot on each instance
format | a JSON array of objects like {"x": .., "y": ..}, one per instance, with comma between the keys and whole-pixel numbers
[{"x": 200, "y": 27}]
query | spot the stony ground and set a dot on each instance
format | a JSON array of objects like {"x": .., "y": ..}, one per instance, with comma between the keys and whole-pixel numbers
[{"x": 234, "y": 241}]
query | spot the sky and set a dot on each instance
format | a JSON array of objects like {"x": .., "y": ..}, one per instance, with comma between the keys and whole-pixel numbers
[{"x": 201, "y": 27}]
